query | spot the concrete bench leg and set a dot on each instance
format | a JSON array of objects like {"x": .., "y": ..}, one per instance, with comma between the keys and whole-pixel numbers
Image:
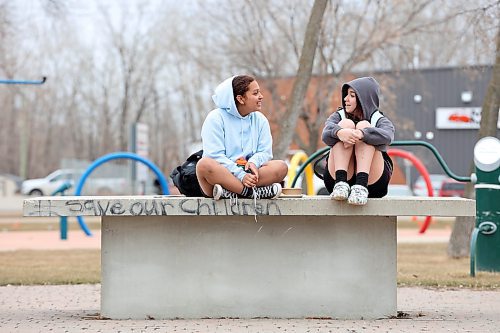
[{"x": 168, "y": 267}]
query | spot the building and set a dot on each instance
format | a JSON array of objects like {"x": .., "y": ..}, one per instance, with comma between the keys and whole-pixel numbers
[{"x": 441, "y": 106}]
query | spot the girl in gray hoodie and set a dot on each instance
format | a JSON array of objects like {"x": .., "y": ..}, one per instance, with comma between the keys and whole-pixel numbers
[{"x": 358, "y": 166}]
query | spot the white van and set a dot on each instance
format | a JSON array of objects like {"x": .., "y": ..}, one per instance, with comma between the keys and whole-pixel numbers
[{"x": 54, "y": 181}]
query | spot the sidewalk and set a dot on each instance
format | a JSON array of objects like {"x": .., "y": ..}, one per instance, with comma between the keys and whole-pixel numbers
[
  {"x": 50, "y": 240},
  {"x": 76, "y": 309}
]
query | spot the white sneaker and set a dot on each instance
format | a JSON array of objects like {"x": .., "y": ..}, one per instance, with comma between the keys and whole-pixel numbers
[
  {"x": 220, "y": 192},
  {"x": 358, "y": 196},
  {"x": 267, "y": 192},
  {"x": 340, "y": 191}
]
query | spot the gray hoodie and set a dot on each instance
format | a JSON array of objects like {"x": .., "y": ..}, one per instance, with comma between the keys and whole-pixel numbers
[{"x": 367, "y": 90}]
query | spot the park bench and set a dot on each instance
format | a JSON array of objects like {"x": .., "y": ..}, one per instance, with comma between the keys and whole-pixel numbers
[{"x": 166, "y": 257}]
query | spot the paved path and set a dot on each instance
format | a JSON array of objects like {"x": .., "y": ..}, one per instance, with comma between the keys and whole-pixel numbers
[
  {"x": 50, "y": 240},
  {"x": 76, "y": 309}
]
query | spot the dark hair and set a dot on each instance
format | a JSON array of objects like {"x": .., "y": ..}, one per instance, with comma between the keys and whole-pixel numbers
[
  {"x": 359, "y": 107},
  {"x": 240, "y": 85}
]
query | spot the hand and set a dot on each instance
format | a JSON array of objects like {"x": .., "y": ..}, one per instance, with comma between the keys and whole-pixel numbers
[
  {"x": 349, "y": 136},
  {"x": 253, "y": 169},
  {"x": 249, "y": 180},
  {"x": 359, "y": 134}
]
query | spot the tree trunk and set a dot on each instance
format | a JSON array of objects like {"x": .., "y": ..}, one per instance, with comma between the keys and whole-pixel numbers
[
  {"x": 491, "y": 104},
  {"x": 302, "y": 80},
  {"x": 459, "y": 245}
]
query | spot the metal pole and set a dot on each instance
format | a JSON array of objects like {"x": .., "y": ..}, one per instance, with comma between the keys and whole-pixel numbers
[
  {"x": 63, "y": 224},
  {"x": 6, "y": 81}
]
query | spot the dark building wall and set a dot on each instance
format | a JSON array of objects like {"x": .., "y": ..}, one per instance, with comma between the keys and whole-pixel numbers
[{"x": 440, "y": 87}]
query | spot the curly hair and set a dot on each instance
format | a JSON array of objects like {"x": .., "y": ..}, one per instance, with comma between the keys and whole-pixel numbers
[{"x": 240, "y": 85}]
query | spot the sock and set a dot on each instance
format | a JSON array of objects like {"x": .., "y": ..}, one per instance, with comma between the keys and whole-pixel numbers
[
  {"x": 362, "y": 179},
  {"x": 247, "y": 192},
  {"x": 340, "y": 176}
]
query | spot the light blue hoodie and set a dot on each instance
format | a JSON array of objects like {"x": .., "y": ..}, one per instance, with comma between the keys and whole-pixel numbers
[{"x": 227, "y": 136}]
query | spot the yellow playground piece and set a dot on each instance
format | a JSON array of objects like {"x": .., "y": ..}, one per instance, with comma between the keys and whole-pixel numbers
[{"x": 297, "y": 159}]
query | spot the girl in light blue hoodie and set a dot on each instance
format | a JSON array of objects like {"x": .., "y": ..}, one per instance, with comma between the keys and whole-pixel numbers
[{"x": 237, "y": 145}]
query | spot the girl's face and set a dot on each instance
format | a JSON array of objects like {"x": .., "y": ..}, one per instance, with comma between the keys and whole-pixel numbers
[
  {"x": 251, "y": 101},
  {"x": 350, "y": 101}
]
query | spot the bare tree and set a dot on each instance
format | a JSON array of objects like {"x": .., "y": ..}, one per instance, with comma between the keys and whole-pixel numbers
[
  {"x": 347, "y": 44},
  {"x": 459, "y": 245},
  {"x": 8, "y": 139},
  {"x": 303, "y": 77},
  {"x": 158, "y": 62}
]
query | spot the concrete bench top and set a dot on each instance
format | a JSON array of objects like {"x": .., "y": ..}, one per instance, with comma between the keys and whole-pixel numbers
[{"x": 160, "y": 205}]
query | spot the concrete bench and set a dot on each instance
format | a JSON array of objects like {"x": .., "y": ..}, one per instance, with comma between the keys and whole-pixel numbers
[{"x": 167, "y": 257}]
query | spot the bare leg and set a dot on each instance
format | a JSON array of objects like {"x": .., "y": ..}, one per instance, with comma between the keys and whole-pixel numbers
[
  {"x": 271, "y": 172},
  {"x": 211, "y": 172},
  {"x": 368, "y": 159},
  {"x": 341, "y": 155}
]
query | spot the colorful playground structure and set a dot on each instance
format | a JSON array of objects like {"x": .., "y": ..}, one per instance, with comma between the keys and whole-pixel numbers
[
  {"x": 301, "y": 157},
  {"x": 81, "y": 182},
  {"x": 485, "y": 239}
]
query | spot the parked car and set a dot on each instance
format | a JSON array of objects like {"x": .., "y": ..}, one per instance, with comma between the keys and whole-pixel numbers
[
  {"x": 399, "y": 190},
  {"x": 47, "y": 185},
  {"x": 452, "y": 188},
  {"x": 93, "y": 186},
  {"x": 420, "y": 187}
]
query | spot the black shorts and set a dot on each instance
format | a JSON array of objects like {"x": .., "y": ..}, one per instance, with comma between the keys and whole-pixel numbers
[{"x": 375, "y": 190}]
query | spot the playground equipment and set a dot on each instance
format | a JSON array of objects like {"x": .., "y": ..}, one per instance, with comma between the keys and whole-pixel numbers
[
  {"x": 485, "y": 240},
  {"x": 301, "y": 157},
  {"x": 42, "y": 81},
  {"x": 63, "y": 220},
  {"x": 425, "y": 174},
  {"x": 114, "y": 156},
  {"x": 433, "y": 149}
]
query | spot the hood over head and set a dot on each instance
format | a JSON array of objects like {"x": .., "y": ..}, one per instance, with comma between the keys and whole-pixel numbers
[
  {"x": 224, "y": 97},
  {"x": 367, "y": 91}
]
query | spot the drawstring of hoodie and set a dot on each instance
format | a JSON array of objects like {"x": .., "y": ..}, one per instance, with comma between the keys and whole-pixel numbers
[{"x": 241, "y": 135}]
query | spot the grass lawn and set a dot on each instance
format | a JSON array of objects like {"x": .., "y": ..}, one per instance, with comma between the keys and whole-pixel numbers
[
  {"x": 29, "y": 267},
  {"x": 426, "y": 264},
  {"x": 418, "y": 265}
]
